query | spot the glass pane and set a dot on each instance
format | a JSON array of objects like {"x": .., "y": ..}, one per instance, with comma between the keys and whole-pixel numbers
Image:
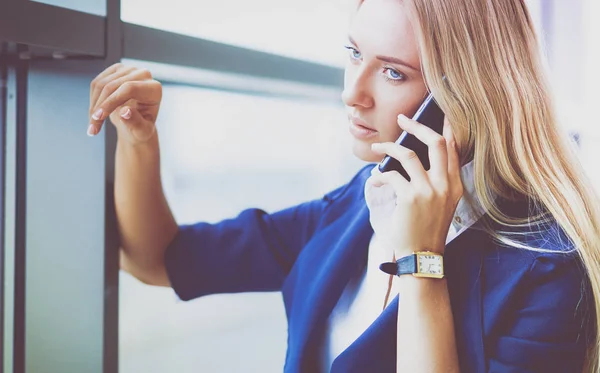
[
  {"x": 313, "y": 30},
  {"x": 223, "y": 152},
  {"x": 536, "y": 11},
  {"x": 590, "y": 121},
  {"x": 97, "y": 7}
]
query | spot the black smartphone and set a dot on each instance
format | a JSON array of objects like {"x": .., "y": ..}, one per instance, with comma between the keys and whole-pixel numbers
[{"x": 430, "y": 115}]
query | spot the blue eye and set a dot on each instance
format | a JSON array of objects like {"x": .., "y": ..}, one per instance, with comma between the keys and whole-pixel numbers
[
  {"x": 393, "y": 75},
  {"x": 354, "y": 53}
]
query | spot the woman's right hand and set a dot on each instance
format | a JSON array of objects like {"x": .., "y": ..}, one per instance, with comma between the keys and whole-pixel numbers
[{"x": 131, "y": 97}]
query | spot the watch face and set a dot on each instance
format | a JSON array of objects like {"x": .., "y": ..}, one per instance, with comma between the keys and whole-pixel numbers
[{"x": 430, "y": 265}]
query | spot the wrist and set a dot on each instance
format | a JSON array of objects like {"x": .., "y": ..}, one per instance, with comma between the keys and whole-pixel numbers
[
  {"x": 409, "y": 250},
  {"x": 146, "y": 136},
  {"x": 126, "y": 142},
  {"x": 421, "y": 264},
  {"x": 421, "y": 287}
]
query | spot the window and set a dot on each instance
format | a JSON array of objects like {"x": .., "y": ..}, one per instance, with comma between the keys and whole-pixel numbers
[
  {"x": 223, "y": 152},
  {"x": 97, "y": 7},
  {"x": 311, "y": 30},
  {"x": 585, "y": 112}
]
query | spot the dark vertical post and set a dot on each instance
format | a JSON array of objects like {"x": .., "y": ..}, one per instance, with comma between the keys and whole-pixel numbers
[
  {"x": 114, "y": 52},
  {"x": 3, "y": 128},
  {"x": 21, "y": 76}
]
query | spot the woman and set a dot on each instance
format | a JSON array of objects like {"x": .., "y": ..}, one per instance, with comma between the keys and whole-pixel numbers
[{"x": 504, "y": 202}]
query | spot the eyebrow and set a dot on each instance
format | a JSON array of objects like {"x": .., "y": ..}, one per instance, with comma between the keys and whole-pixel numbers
[{"x": 393, "y": 60}]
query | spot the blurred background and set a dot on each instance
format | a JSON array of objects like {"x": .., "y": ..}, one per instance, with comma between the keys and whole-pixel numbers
[
  {"x": 288, "y": 150},
  {"x": 289, "y": 132}
]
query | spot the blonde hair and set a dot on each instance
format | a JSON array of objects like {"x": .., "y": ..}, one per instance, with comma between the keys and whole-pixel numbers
[
  {"x": 497, "y": 93},
  {"x": 496, "y": 90}
]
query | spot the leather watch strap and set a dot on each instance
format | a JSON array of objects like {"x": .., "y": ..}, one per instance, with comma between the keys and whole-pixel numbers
[{"x": 402, "y": 266}]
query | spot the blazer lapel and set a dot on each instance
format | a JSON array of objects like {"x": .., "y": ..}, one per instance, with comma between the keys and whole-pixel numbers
[
  {"x": 341, "y": 260},
  {"x": 375, "y": 349},
  {"x": 463, "y": 266}
]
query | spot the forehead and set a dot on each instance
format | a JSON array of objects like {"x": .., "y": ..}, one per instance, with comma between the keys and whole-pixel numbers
[{"x": 383, "y": 27}]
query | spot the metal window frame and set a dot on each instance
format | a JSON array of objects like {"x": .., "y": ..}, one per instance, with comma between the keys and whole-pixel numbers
[
  {"x": 3, "y": 130},
  {"x": 55, "y": 28},
  {"x": 66, "y": 33},
  {"x": 61, "y": 33},
  {"x": 113, "y": 54},
  {"x": 140, "y": 43},
  {"x": 21, "y": 72},
  {"x": 9, "y": 209}
]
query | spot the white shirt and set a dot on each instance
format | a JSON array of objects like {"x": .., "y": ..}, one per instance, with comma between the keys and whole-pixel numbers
[{"x": 362, "y": 300}]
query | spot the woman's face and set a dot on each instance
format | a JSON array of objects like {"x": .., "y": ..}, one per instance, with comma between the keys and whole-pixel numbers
[{"x": 383, "y": 77}]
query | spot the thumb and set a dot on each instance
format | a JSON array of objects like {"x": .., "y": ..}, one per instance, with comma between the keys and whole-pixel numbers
[{"x": 139, "y": 127}]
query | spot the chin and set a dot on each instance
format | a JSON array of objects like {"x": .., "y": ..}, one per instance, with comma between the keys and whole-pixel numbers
[{"x": 362, "y": 150}]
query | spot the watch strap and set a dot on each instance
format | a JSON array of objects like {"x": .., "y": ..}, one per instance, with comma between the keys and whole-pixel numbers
[{"x": 403, "y": 266}]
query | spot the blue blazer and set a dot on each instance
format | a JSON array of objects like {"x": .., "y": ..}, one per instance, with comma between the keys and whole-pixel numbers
[{"x": 514, "y": 310}]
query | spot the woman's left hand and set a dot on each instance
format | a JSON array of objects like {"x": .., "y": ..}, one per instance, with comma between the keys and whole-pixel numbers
[{"x": 418, "y": 216}]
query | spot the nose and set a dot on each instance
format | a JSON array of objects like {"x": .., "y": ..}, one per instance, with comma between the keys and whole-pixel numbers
[{"x": 357, "y": 89}]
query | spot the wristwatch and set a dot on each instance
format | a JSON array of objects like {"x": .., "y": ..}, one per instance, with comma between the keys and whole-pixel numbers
[{"x": 425, "y": 264}]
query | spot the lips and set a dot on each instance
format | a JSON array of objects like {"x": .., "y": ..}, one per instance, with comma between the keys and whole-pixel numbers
[
  {"x": 360, "y": 123},
  {"x": 361, "y": 130}
]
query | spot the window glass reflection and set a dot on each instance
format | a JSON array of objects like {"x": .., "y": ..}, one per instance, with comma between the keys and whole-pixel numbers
[{"x": 223, "y": 152}]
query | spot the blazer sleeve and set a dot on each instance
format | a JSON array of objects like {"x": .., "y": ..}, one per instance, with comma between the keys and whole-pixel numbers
[
  {"x": 251, "y": 252},
  {"x": 547, "y": 330}
]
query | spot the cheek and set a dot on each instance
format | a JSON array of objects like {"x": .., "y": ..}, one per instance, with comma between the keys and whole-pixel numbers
[
  {"x": 390, "y": 109},
  {"x": 391, "y": 101},
  {"x": 391, "y": 132}
]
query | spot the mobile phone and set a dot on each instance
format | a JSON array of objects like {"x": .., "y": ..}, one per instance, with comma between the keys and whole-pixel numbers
[{"x": 430, "y": 115}]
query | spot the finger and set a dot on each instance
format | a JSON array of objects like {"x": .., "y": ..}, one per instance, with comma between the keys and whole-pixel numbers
[
  {"x": 148, "y": 91},
  {"x": 112, "y": 86},
  {"x": 436, "y": 144},
  {"x": 127, "y": 115},
  {"x": 453, "y": 158},
  {"x": 98, "y": 83},
  {"x": 398, "y": 183},
  {"x": 375, "y": 170},
  {"x": 108, "y": 71},
  {"x": 106, "y": 82},
  {"x": 407, "y": 158},
  {"x": 139, "y": 127}
]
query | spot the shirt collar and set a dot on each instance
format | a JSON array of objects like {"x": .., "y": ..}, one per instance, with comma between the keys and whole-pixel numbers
[{"x": 467, "y": 214}]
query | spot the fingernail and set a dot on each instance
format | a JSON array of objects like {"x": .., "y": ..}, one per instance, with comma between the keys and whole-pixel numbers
[
  {"x": 98, "y": 115},
  {"x": 126, "y": 113},
  {"x": 402, "y": 118},
  {"x": 375, "y": 145},
  {"x": 91, "y": 130}
]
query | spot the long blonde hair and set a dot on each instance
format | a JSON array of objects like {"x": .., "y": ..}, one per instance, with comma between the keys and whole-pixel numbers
[{"x": 496, "y": 91}]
